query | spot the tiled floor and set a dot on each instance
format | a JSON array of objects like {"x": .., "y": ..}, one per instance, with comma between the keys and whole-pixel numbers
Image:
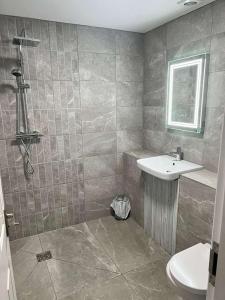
[{"x": 98, "y": 260}]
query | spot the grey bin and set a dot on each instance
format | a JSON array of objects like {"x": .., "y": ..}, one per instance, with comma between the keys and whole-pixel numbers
[{"x": 120, "y": 207}]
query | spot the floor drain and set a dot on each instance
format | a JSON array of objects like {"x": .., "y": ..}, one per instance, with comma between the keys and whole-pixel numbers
[{"x": 44, "y": 256}]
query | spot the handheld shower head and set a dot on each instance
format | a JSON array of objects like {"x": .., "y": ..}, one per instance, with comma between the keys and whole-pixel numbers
[{"x": 16, "y": 72}]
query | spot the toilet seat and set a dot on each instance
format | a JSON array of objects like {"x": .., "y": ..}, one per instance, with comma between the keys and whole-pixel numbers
[{"x": 189, "y": 269}]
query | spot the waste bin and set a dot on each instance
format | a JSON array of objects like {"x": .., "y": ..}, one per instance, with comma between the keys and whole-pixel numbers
[{"x": 120, "y": 207}]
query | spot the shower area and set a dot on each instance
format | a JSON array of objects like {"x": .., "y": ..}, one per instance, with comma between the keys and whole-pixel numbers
[
  {"x": 40, "y": 126},
  {"x": 63, "y": 124}
]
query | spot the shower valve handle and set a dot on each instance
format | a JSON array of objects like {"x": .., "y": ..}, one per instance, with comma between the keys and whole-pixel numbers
[{"x": 9, "y": 215}]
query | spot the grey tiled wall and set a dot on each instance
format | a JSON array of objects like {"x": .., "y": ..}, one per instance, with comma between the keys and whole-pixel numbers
[
  {"x": 198, "y": 32},
  {"x": 86, "y": 98},
  {"x": 195, "y": 213},
  {"x": 134, "y": 186}
]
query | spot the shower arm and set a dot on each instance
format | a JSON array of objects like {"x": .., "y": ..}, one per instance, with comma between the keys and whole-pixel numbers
[{"x": 20, "y": 55}]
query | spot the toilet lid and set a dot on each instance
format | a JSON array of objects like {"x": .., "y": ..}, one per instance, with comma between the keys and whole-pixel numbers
[{"x": 189, "y": 268}]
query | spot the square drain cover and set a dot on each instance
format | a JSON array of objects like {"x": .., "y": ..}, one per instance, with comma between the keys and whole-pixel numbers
[{"x": 44, "y": 256}]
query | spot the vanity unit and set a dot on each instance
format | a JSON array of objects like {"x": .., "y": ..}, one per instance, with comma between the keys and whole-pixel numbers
[
  {"x": 157, "y": 193},
  {"x": 185, "y": 115},
  {"x": 192, "y": 209},
  {"x": 161, "y": 175}
]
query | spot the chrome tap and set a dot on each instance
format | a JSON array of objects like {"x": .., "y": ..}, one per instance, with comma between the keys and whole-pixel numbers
[{"x": 178, "y": 155}]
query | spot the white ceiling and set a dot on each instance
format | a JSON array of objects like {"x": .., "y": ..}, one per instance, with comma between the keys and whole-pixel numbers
[{"x": 130, "y": 15}]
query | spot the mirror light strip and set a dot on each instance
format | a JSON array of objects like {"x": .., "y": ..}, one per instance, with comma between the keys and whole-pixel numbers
[{"x": 198, "y": 102}]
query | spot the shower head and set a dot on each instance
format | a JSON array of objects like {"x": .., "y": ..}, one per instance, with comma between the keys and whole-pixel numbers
[
  {"x": 24, "y": 41},
  {"x": 16, "y": 72}
]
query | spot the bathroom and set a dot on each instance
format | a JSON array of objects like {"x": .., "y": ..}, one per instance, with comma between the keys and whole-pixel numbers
[{"x": 85, "y": 109}]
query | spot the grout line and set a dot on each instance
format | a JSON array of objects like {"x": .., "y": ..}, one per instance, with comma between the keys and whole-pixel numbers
[
  {"x": 131, "y": 287},
  {"x": 26, "y": 251},
  {"x": 82, "y": 129},
  {"x": 57, "y": 184},
  {"x": 142, "y": 266},
  {"x": 51, "y": 279},
  {"x": 104, "y": 249},
  {"x": 29, "y": 274},
  {"x": 85, "y": 266}
]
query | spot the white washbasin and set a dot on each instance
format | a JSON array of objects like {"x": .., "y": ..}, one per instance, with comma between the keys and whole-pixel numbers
[{"x": 166, "y": 167}]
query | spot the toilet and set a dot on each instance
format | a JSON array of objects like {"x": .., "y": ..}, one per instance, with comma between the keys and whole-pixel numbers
[{"x": 188, "y": 272}]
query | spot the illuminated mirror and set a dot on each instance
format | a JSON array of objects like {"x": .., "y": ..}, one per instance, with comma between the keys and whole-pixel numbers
[{"x": 186, "y": 93}]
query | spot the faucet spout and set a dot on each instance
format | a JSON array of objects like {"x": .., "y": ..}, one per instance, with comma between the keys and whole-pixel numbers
[{"x": 178, "y": 155}]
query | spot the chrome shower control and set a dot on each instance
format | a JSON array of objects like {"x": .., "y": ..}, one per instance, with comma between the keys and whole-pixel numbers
[{"x": 9, "y": 215}]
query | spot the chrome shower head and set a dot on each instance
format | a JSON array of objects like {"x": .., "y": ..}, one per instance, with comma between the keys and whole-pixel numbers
[
  {"x": 16, "y": 72},
  {"x": 24, "y": 41}
]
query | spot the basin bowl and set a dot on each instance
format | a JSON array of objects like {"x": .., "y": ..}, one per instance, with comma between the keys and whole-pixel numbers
[{"x": 166, "y": 167}]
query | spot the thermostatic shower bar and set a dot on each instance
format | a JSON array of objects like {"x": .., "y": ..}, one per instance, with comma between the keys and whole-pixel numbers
[{"x": 24, "y": 136}]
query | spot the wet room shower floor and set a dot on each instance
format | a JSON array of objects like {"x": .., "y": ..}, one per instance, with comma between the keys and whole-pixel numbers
[{"x": 102, "y": 259}]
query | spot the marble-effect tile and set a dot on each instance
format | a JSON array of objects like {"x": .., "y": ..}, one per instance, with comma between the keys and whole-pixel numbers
[
  {"x": 116, "y": 288},
  {"x": 124, "y": 241},
  {"x": 150, "y": 282},
  {"x": 30, "y": 244},
  {"x": 103, "y": 259},
  {"x": 76, "y": 244},
  {"x": 200, "y": 31},
  {"x": 78, "y": 76}
]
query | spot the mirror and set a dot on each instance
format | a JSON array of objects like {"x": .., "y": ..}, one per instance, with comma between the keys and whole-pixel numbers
[{"x": 186, "y": 89}]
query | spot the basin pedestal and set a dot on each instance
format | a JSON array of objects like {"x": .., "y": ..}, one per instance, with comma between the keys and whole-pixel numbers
[{"x": 160, "y": 211}]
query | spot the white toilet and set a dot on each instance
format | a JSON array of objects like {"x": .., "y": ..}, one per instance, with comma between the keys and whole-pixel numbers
[{"x": 188, "y": 272}]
